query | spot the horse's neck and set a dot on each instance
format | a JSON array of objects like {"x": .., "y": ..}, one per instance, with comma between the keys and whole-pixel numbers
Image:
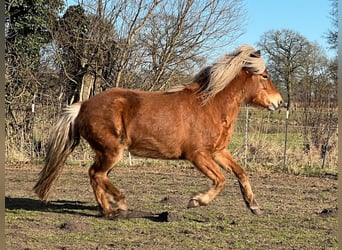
[{"x": 230, "y": 99}]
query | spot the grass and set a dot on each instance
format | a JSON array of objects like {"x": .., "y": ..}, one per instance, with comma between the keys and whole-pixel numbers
[
  {"x": 215, "y": 234},
  {"x": 266, "y": 151}
]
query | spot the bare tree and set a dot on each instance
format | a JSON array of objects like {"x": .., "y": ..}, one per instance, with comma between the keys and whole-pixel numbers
[
  {"x": 332, "y": 35},
  {"x": 189, "y": 30},
  {"x": 84, "y": 49},
  {"x": 305, "y": 72},
  {"x": 141, "y": 44},
  {"x": 286, "y": 50}
]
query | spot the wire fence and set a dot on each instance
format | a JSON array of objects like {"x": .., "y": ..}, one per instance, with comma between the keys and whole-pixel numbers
[{"x": 258, "y": 140}]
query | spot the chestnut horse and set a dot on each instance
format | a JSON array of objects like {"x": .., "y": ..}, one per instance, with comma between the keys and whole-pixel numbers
[{"x": 192, "y": 122}]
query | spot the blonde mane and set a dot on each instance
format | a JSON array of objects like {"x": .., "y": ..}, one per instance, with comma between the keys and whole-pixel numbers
[{"x": 215, "y": 78}]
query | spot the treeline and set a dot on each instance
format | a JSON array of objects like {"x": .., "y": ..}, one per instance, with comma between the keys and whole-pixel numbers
[{"x": 87, "y": 48}]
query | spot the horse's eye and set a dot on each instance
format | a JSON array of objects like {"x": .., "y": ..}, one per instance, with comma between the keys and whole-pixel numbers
[{"x": 265, "y": 76}]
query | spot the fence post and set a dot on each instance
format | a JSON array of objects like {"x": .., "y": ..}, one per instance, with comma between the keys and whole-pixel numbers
[
  {"x": 33, "y": 110},
  {"x": 324, "y": 149},
  {"x": 130, "y": 158},
  {"x": 286, "y": 129},
  {"x": 246, "y": 136}
]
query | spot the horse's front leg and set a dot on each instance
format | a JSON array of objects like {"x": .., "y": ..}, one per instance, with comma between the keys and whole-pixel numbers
[
  {"x": 207, "y": 166},
  {"x": 225, "y": 160}
]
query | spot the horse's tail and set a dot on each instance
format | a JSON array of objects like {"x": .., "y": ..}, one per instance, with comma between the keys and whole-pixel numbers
[{"x": 63, "y": 139}]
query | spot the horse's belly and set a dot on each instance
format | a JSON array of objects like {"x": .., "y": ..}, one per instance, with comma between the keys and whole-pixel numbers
[{"x": 155, "y": 148}]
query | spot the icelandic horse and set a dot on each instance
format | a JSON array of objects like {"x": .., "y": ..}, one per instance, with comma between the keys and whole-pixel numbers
[{"x": 191, "y": 122}]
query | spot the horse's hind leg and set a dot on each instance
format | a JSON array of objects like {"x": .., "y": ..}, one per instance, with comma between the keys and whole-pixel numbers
[
  {"x": 105, "y": 192},
  {"x": 207, "y": 166},
  {"x": 225, "y": 160}
]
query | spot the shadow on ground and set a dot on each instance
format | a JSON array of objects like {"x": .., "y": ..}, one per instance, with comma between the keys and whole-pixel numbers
[{"x": 76, "y": 208}]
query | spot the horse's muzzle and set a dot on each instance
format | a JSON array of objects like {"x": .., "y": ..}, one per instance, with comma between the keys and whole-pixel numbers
[{"x": 276, "y": 104}]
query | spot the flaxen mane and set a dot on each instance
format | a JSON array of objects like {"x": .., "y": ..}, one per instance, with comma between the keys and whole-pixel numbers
[{"x": 215, "y": 78}]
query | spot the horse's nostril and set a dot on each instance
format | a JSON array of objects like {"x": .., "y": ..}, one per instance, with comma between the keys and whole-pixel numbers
[{"x": 281, "y": 102}]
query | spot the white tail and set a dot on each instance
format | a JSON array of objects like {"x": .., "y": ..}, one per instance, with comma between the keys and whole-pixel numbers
[{"x": 63, "y": 139}]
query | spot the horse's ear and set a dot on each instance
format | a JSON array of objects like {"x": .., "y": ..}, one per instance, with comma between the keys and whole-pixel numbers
[{"x": 256, "y": 54}]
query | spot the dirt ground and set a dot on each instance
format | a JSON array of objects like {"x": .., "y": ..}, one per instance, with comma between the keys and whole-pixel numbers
[{"x": 298, "y": 212}]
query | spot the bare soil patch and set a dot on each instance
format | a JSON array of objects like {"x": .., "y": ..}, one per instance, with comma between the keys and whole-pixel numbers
[{"x": 298, "y": 212}]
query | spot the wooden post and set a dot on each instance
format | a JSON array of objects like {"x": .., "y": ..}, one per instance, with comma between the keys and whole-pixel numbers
[{"x": 246, "y": 136}]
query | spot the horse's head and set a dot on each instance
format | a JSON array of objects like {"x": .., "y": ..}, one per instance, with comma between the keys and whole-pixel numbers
[
  {"x": 260, "y": 90},
  {"x": 246, "y": 69}
]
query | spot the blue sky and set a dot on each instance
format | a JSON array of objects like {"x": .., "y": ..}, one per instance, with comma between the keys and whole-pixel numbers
[{"x": 308, "y": 17}]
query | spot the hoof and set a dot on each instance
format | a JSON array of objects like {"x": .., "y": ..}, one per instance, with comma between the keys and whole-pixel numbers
[
  {"x": 256, "y": 211},
  {"x": 193, "y": 203},
  {"x": 122, "y": 213},
  {"x": 117, "y": 214}
]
